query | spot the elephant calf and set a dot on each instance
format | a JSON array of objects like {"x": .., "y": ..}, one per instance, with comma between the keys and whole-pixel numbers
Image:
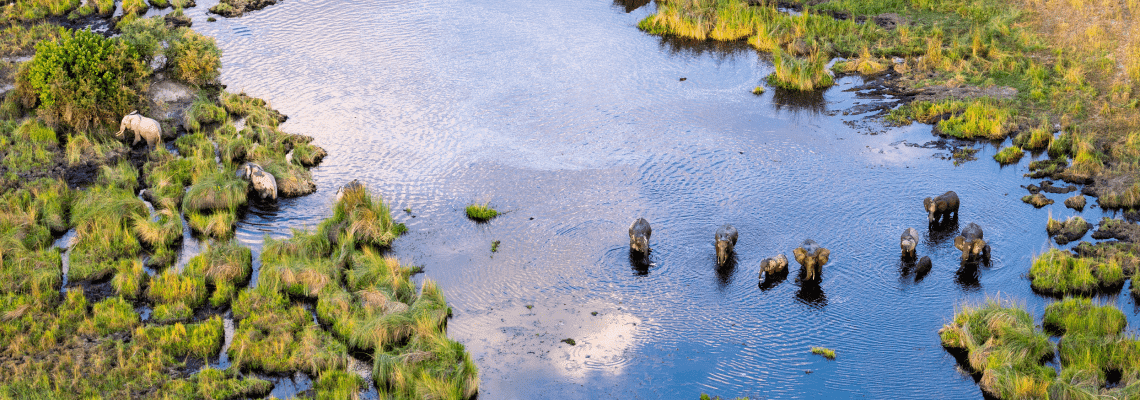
[
  {"x": 923, "y": 268},
  {"x": 725, "y": 243},
  {"x": 639, "y": 234},
  {"x": 941, "y": 207},
  {"x": 812, "y": 257},
  {"x": 773, "y": 265},
  {"x": 972, "y": 244},
  {"x": 263, "y": 182},
  {"x": 143, "y": 127},
  {"x": 354, "y": 185},
  {"x": 907, "y": 242}
]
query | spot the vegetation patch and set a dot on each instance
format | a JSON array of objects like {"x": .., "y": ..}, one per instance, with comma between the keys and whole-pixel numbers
[
  {"x": 1058, "y": 272},
  {"x": 823, "y": 351},
  {"x": 1000, "y": 343},
  {"x": 481, "y": 212},
  {"x": 1009, "y": 155},
  {"x": 1070, "y": 230},
  {"x": 1037, "y": 200}
]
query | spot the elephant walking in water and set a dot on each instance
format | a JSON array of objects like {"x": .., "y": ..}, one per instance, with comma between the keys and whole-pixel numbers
[
  {"x": 725, "y": 243},
  {"x": 812, "y": 257},
  {"x": 639, "y": 234},
  {"x": 907, "y": 242},
  {"x": 972, "y": 244},
  {"x": 143, "y": 127}
]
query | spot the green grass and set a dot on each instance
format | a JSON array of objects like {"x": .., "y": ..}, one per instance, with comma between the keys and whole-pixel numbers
[
  {"x": 1009, "y": 155},
  {"x": 218, "y": 225},
  {"x": 163, "y": 231},
  {"x": 1003, "y": 346},
  {"x": 1037, "y": 138},
  {"x": 803, "y": 74},
  {"x": 338, "y": 384},
  {"x": 481, "y": 212},
  {"x": 129, "y": 281},
  {"x": 980, "y": 120},
  {"x": 218, "y": 191},
  {"x": 1080, "y": 315},
  {"x": 194, "y": 58},
  {"x": 102, "y": 217},
  {"x": 112, "y": 315},
  {"x": 361, "y": 219},
  {"x": 170, "y": 287},
  {"x": 1057, "y": 272},
  {"x": 825, "y": 352}
]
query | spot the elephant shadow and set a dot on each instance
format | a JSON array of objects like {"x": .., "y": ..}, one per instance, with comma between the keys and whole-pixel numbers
[
  {"x": 811, "y": 294},
  {"x": 942, "y": 231},
  {"x": 724, "y": 272},
  {"x": 968, "y": 277},
  {"x": 640, "y": 262},
  {"x": 908, "y": 267},
  {"x": 772, "y": 280}
]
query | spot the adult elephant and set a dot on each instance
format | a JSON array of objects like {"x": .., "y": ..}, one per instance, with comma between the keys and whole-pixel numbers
[
  {"x": 143, "y": 127},
  {"x": 263, "y": 182}
]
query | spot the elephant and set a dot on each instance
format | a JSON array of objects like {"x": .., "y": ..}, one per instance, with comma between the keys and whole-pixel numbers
[
  {"x": 725, "y": 243},
  {"x": 143, "y": 127},
  {"x": 354, "y": 185},
  {"x": 971, "y": 243},
  {"x": 907, "y": 242},
  {"x": 812, "y": 257},
  {"x": 263, "y": 182},
  {"x": 922, "y": 268},
  {"x": 772, "y": 265},
  {"x": 941, "y": 207},
  {"x": 639, "y": 234},
  {"x": 289, "y": 157}
]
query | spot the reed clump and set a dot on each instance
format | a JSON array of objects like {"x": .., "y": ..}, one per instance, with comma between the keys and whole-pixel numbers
[
  {"x": 823, "y": 351},
  {"x": 1009, "y": 155},
  {"x": 1058, "y": 272},
  {"x": 1000, "y": 342},
  {"x": 481, "y": 212}
]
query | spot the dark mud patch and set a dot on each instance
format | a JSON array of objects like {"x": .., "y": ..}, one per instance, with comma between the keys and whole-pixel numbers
[
  {"x": 235, "y": 8},
  {"x": 1118, "y": 229}
]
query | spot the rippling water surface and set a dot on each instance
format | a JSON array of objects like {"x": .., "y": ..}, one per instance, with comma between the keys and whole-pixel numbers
[{"x": 567, "y": 117}]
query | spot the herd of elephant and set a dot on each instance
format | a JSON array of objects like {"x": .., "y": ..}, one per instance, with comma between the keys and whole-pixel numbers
[
  {"x": 264, "y": 183},
  {"x": 812, "y": 256}
]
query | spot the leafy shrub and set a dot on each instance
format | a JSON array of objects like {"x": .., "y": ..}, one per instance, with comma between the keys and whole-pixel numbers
[
  {"x": 195, "y": 58},
  {"x": 82, "y": 79}
]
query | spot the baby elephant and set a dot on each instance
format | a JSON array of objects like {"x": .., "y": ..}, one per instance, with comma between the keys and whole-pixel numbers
[
  {"x": 725, "y": 243},
  {"x": 263, "y": 182},
  {"x": 908, "y": 241},
  {"x": 923, "y": 268},
  {"x": 811, "y": 257},
  {"x": 774, "y": 265},
  {"x": 639, "y": 234},
  {"x": 143, "y": 127},
  {"x": 972, "y": 244},
  {"x": 354, "y": 185},
  {"x": 941, "y": 207}
]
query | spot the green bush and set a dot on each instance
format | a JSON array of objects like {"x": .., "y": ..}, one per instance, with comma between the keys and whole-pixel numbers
[
  {"x": 195, "y": 58},
  {"x": 82, "y": 80}
]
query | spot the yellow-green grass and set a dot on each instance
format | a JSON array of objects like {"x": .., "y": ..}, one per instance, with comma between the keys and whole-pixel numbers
[
  {"x": 210, "y": 383},
  {"x": 925, "y": 111},
  {"x": 1057, "y": 272},
  {"x": 201, "y": 340},
  {"x": 308, "y": 154},
  {"x": 804, "y": 74},
  {"x": 83, "y": 147},
  {"x": 481, "y": 212},
  {"x": 1001, "y": 343},
  {"x": 103, "y": 217},
  {"x": 37, "y": 274},
  {"x": 120, "y": 176},
  {"x": 292, "y": 180},
  {"x": 979, "y": 120},
  {"x": 218, "y": 225},
  {"x": 194, "y": 58},
  {"x": 1080, "y": 316},
  {"x": 865, "y": 64},
  {"x": 195, "y": 145},
  {"x": 21, "y": 39},
  {"x": 164, "y": 230},
  {"x": 1037, "y": 138},
  {"x": 170, "y": 287},
  {"x": 362, "y": 219},
  {"x": 28, "y": 147},
  {"x": 222, "y": 262},
  {"x": 134, "y": 7},
  {"x": 1009, "y": 155},
  {"x": 31, "y": 10},
  {"x": 338, "y": 384},
  {"x": 1070, "y": 230},
  {"x": 130, "y": 279},
  {"x": 111, "y": 315},
  {"x": 823, "y": 351},
  {"x": 202, "y": 111},
  {"x": 218, "y": 191},
  {"x": 429, "y": 366}
]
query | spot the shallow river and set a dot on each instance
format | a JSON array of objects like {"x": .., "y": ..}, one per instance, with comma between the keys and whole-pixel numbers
[{"x": 566, "y": 116}]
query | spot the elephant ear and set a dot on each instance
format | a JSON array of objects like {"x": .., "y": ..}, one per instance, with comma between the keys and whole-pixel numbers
[
  {"x": 801, "y": 255},
  {"x": 926, "y": 203},
  {"x": 960, "y": 243},
  {"x": 979, "y": 245},
  {"x": 822, "y": 256}
]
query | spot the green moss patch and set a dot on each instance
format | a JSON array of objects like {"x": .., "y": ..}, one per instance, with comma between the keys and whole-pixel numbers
[{"x": 1058, "y": 272}]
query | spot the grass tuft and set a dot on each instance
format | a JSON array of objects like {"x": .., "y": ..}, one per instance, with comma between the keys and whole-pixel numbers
[{"x": 481, "y": 212}]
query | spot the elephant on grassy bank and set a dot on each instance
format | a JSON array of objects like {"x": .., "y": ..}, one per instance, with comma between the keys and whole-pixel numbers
[
  {"x": 907, "y": 242},
  {"x": 940, "y": 208},
  {"x": 972, "y": 244},
  {"x": 263, "y": 182},
  {"x": 354, "y": 185},
  {"x": 143, "y": 127},
  {"x": 639, "y": 234},
  {"x": 812, "y": 257},
  {"x": 725, "y": 243}
]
